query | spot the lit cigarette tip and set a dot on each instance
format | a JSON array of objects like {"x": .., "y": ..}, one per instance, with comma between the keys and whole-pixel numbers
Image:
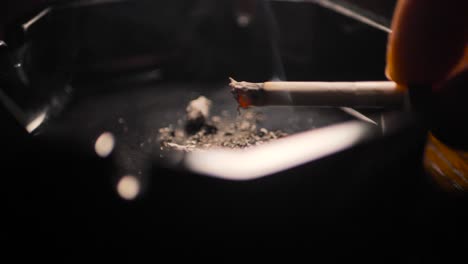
[{"x": 244, "y": 85}]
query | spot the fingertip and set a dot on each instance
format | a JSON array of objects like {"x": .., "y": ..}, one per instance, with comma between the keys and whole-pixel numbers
[{"x": 427, "y": 40}]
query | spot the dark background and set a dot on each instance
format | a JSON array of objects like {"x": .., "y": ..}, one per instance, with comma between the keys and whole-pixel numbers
[{"x": 369, "y": 203}]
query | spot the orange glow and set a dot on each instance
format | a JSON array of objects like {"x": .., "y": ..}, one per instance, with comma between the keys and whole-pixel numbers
[
  {"x": 448, "y": 167},
  {"x": 243, "y": 101}
]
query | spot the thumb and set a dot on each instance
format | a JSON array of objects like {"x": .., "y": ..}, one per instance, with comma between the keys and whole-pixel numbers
[{"x": 428, "y": 41}]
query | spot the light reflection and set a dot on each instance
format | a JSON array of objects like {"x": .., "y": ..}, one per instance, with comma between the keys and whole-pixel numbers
[
  {"x": 278, "y": 155},
  {"x": 36, "y": 122},
  {"x": 36, "y": 18},
  {"x": 104, "y": 144},
  {"x": 358, "y": 115},
  {"x": 128, "y": 187},
  {"x": 243, "y": 20}
]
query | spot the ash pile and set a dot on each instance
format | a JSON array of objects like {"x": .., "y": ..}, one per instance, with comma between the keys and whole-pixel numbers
[{"x": 202, "y": 131}]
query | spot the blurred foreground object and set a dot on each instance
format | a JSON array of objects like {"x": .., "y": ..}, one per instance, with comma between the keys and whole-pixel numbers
[
  {"x": 428, "y": 53},
  {"x": 447, "y": 166}
]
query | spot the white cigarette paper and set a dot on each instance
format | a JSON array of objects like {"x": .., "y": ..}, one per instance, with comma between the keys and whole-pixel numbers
[{"x": 374, "y": 94}]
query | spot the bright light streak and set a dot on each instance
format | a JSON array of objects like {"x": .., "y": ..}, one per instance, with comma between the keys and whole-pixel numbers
[
  {"x": 278, "y": 155},
  {"x": 36, "y": 18},
  {"x": 358, "y": 115},
  {"x": 36, "y": 122}
]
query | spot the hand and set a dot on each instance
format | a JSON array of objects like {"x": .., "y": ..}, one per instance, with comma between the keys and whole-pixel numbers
[
  {"x": 429, "y": 42},
  {"x": 428, "y": 49}
]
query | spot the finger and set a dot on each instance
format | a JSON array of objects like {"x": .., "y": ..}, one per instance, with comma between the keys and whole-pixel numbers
[{"x": 428, "y": 40}]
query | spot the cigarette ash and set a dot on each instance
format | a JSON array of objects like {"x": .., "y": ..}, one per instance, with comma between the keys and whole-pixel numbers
[{"x": 201, "y": 131}]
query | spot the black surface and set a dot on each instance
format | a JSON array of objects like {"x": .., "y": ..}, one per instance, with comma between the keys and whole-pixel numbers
[
  {"x": 370, "y": 203},
  {"x": 360, "y": 204},
  {"x": 135, "y": 116}
]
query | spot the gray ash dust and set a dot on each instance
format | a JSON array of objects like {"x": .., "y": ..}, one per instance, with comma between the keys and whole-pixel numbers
[{"x": 202, "y": 131}]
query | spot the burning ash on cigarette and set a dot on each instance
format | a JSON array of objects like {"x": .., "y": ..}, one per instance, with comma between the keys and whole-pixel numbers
[
  {"x": 202, "y": 131},
  {"x": 244, "y": 92}
]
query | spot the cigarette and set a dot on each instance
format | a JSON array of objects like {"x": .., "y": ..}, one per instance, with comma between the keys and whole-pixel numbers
[{"x": 365, "y": 94}]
